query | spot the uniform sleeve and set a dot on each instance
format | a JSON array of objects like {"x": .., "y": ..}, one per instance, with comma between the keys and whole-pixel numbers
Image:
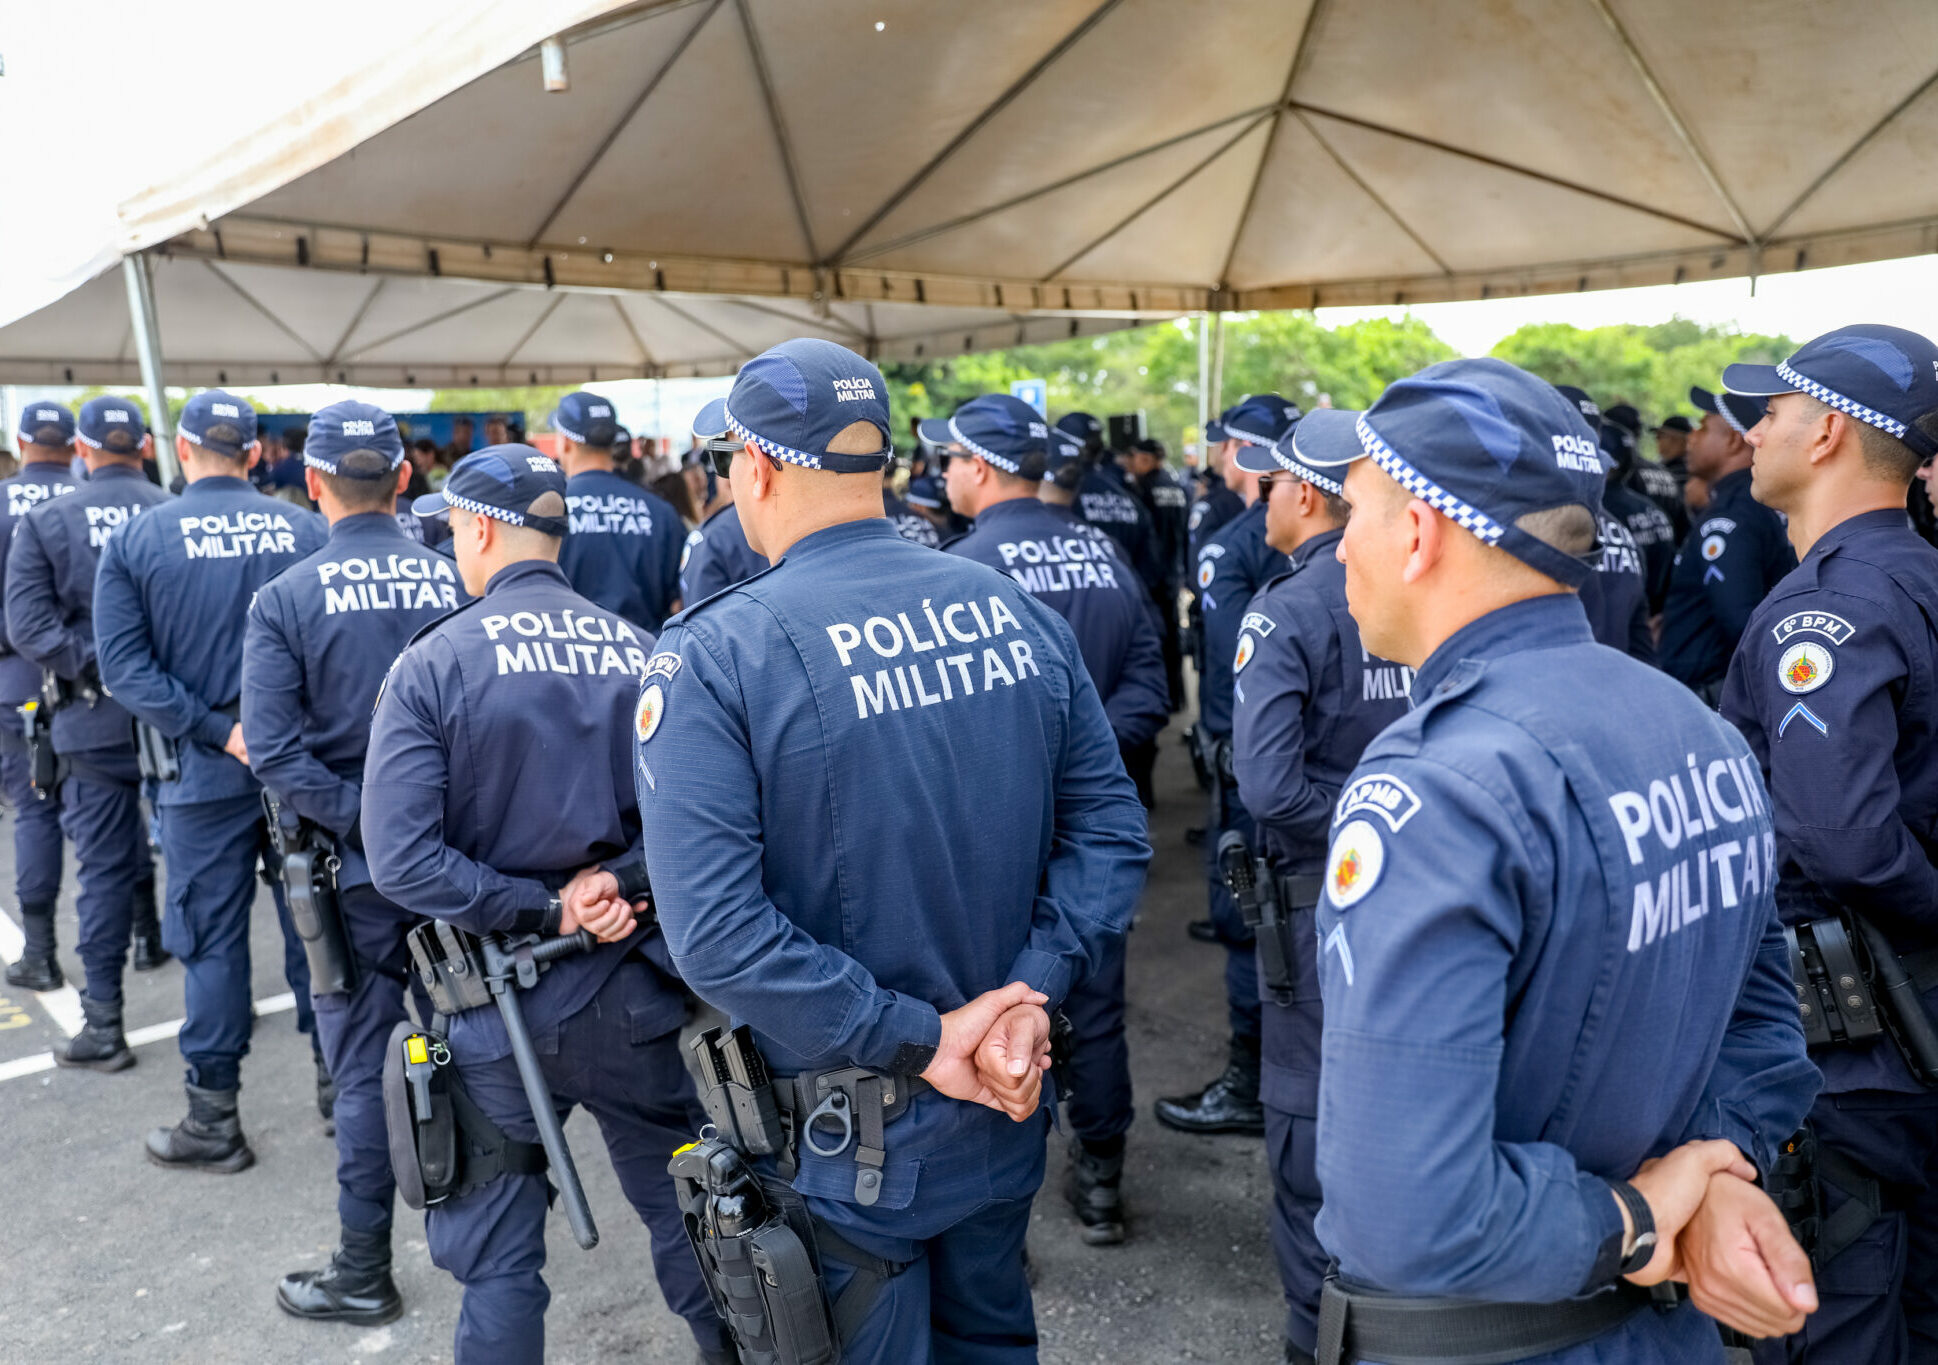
[
  {"x": 700, "y": 808},
  {"x": 1420, "y": 1197},
  {"x": 1834, "y": 789},
  {"x": 406, "y": 778},
  {"x": 129, "y": 668},
  {"x": 274, "y": 698},
  {"x": 1268, "y": 734},
  {"x": 1641, "y": 639},
  {"x": 1098, "y": 853},
  {"x": 671, "y": 538},
  {"x": 704, "y": 574},
  {"x": 1223, "y": 601},
  {"x": 35, "y": 623},
  {"x": 1764, "y": 1082},
  {"x": 1140, "y": 704}
]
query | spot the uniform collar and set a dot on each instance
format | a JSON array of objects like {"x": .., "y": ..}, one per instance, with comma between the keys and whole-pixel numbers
[
  {"x": 1538, "y": 623},
  {"x": 1849, "y": 529},
  {"x": 219, "y": 483},
  {"x": 380, "y": 525},
  {"x": 116, "y": 471},
  {"x": 1009, "y": 507},
  {"x": 54, "y": 471},
  {"x": 1734, "y": 484},
  {"x": 524, "y": 571},
  {"x": 833, "y": 539},
  {"x": 1323, "y": 543}
]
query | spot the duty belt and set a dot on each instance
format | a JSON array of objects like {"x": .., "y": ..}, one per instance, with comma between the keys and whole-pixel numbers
[
  {"x": 1408, "y": 1331},
  {"x": 1300, "y": 891}
]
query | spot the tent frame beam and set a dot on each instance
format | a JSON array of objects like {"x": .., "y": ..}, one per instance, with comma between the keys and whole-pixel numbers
[
  {"x": 1851, "y": 152},
  {"x": 778, "y": 125},
  {"x": 1292, "y": 70},
  {"x": 1379, "y": 199},
  {"x": 147, "y": 329}
]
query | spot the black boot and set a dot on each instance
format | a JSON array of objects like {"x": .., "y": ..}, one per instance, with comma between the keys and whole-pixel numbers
[
  {"x": 209, "y": 1139},
  {"x": 37, "y": 969},
  {"x": 1228, "y": 1105},
  {"x": 354, "y": 1287},
  {"x": 100, "y": 1046},
  {"x": 1203, "y": 930},
  {"x": 149, "y": 953},
  {"x": 1094, "y": 1185},
  {"x": 325, "y": 1092}
]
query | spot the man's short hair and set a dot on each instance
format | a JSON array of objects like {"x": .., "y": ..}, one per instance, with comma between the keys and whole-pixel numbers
[
  {"x": 364, "y": 482},
  {"x": 1884, "y": 455},
  {"x": 1569, "y": 528}
]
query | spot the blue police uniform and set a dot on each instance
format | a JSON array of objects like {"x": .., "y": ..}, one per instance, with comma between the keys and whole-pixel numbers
[
  {"x": 1107, "y": 501},
  {"x": 865, "y": 693},
  {"x": 1234, "y": 562},
  {"x": 1653, "y": 533},
  {"x": 1074, "y": 567},
  {"x": 910, "y": 524},
  {"x": 1168, "y": 504},
  {"x": 1734, "y": 555},
  {"x": 1308, "y": 700},
  {"x": 625, "y": 547},
  {"x": 171, "y": 596},
  {"x": 483, "y": 795},
  {"x": 1548, "y": 948},
  {"x": 36, "y": 819},
  {"x": 716, "y": 557},
  {"x": 320, "y": 638},
  {"x": 50, "y": 621},
  {"x": 1616, "y": 598}
]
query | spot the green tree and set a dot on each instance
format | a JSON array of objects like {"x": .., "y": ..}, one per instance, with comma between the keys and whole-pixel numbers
[{"x": 1650, "y": 367}]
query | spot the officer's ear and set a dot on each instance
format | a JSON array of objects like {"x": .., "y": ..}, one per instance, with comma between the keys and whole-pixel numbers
[
  {"x": 252, "y": 455},
  {"x": 1425, "y": 532},
  {"x": 403, "y": 479}
]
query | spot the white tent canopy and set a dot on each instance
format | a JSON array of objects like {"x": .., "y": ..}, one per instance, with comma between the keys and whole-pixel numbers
[{"x": 865, "y": 159}]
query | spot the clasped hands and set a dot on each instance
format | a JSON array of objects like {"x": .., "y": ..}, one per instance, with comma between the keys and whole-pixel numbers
[
  {"x": 1722, "y": 1235},
  {"x": 994, "y": 1051},
  {"x": 591, "y": 900}
]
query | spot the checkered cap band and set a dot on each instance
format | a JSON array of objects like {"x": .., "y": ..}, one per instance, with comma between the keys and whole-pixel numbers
[
  {"x": 484, "y": 509},
  {"x": 1420, "y": 486},
  {"x": 1831, "y": 398},
  {"x": 1248, "y": 437},
  {"x": 774, "y": 448},
  {"x": 1310, "y": 475},
  {"x": 1723, "y": 411},
  {"x": 1002, "y": 462},
  {"x": 84, "y": 439}
]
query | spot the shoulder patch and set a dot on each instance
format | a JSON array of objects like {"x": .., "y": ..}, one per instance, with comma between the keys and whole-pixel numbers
[
  {"x": 662, "y": 665},
  {"x": 1383, "y": 795},
  {"x": 1805, "y": 667},
  {"x": 1713, "y": 547},
  {"x": 1718, "y": 526},
  {"x": 1807, "y": 716},
  {"x": 1247, "y": 646},
  {"x": 1258, "y": 623},
  {"x": 1833, "y": 628},
  {"x": 1198, "y": 511},
  {"x": 1353, "y": 867},
  {"x": 1207, "y": 570},
  {"x": 650, "y": 711}
]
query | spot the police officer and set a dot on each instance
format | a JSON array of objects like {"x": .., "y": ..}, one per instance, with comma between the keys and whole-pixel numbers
[
  {"x": 1650, "y": 527},
  {"x": 1215, "y": 505},
  {"x": 996, "y": 465},
  {"x": 1234, "y": 563},
  {"x": 1169, "y": 505},
  {"x": 1532, "y": 1083},
  {"x": 495, "y": 793},
  {"x": 46, "y": 442},
  {"x": 170, "y": 601},
  {"x": 865, "y": 693},
  {"x": 626, "y": 543},
  {"x": 1307, "y": 700},
  {"x": 1616, "y": 597},
  {"x": 320, "y": 637},
  {"x": 1835, "y": 684},
  {"x": 1105, "y": 500},
  {"x": 909, "y": 524},
  {"x": 49, "y": 605},
  {"x": 928, "y": 501},
  {"x": 1736, "y": 553},
  {"x": 716, "y": 555},
  {"x": 1651, "y": 480}
]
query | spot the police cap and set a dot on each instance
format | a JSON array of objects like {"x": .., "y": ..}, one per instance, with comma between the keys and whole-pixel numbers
[
  {"x": 1005, "y": 431},
  {"x": 1739, "y": 410},
  {"x": 343, "y": 429},
  {"x": 792, "y": 401},
  {"x": 218, "y": 421},
  {"x": 514, "y": 484},
  {"x": 1884, "y": 376},
  {"x": 110, "y": 423},
  {"x": 46, "y": 424},
  {"x": 587, "y": 419}
]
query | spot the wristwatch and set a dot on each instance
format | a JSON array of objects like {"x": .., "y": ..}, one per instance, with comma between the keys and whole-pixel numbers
[{"x": 1639, "y": 1247}]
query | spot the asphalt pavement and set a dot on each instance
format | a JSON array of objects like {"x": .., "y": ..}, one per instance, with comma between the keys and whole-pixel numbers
[{"x": 105, "y": 1258}]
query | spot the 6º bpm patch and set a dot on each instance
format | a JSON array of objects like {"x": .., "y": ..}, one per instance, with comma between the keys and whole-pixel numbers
[
  {"x": 1358, "y": 857},
  {"x": 1805, "y": 667}
]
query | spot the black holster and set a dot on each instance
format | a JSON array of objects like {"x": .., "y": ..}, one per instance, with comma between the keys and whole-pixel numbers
[
  {"x": 441, "y": 1143},
  {"x": 1796, "y": 1184},
  {"x": 1274, "y": 907},
  {"x": 306, "y": 856},
  {"x": 44, "y": 768},
  {"x": 156, "y": 754},
  {"x": 1852, "y": 986}
]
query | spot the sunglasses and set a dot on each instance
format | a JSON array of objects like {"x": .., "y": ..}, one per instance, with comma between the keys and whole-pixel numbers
[{"x": 720, "y": 453}]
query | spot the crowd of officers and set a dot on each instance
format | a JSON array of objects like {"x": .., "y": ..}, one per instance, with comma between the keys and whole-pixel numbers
[{"x": 1558, "y": 798}]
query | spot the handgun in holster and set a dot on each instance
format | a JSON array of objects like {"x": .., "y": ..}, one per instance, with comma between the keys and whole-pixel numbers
[
  {"x": 304, "y": 855},
  {"x": 460, "y": 971},
  {"x": 156, "y": 755},
  {"x": 43, "y": 764},
  {"x": 1255, "y": 891},
  {"x": 1200, "y": 770}
]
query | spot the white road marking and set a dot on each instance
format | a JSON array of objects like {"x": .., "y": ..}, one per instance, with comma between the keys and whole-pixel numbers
[
  {"x": 64, "y": 1005},
  {"x": 153, "y": 1033}
]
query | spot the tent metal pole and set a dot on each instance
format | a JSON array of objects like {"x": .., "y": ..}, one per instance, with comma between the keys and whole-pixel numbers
[
  {"x": 141, "y": 310},
  {"x": 1217, "y": 361},
  {"x": 1204, "y": 388}
]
